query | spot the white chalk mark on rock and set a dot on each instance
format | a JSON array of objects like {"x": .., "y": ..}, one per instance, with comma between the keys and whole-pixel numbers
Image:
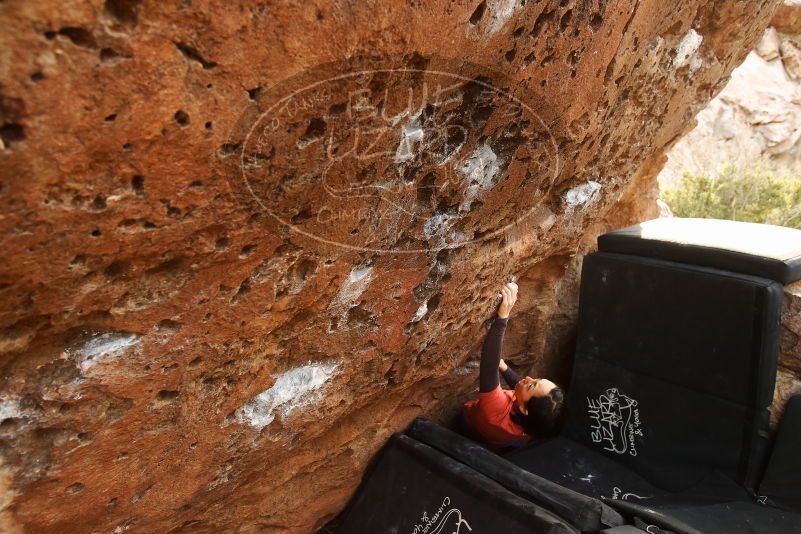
[
  {"x": 436, "y": 224},
  {"x": 687, "y": 51},
  {"x": 440, "y": 226},
  {"x": 293, "y": 389},
  {"x": 356, "y": 284},
  {"x": 10, "y": 409},
  {"x": 420, "y": 313},
  {"x": 480, "y": 172},
  {"x": 102, "y": 347},
  {"x": 656, "y": 45},
  {"x": 500, "y": 11},
  {"x": 581, "y": 197},
  {"x": 411, "y": 138},
  {"x": 583, "y": 194}
]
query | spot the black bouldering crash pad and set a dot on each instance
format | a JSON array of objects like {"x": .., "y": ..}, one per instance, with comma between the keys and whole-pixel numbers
[{"x": 415, "y": 489}]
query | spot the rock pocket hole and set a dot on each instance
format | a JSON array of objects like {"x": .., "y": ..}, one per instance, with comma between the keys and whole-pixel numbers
[
  {"x": 565, "y": 20},
  {"x": 229, "y": 149},
  {"x": 314, "y": 131},
  {"x": 123, "y": 11},
  {"x": 110, "y": 56},
  {"x": 192, "y": 54},
  {"x": 74, "y": 488},
  {"x": 358, "y": 316},
  {"x": 244, "y": 288},
  {"x": 253, "y": 94},
  {"x": 79, "y": 36},
  {"x": 478, "y": 13},
  {"x": 11, "y": 133},
  {"x": 573, "y": 57},
  {"x": 138, "y": 184},
  {"x": 167, "y": 395},
  {"x": 222, "y": 243},
  {"x": 596, "y": 20},
  {"x": 168, "y": 326},
  {"x": 541, "y": 21},
  {"x": 303, "y": 215},
  {"x": 432, "y": 304},
  {"x": 9, "y": 424},
  {"x": 182, "y": 118},
  {"x": 115, "y": 270}
]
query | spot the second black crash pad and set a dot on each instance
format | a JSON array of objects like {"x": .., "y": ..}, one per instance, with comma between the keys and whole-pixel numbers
[
  {"x": 713, "y": 331},
  {"x": 674, "y": 369},
  {"x": 414, "y": 489}
]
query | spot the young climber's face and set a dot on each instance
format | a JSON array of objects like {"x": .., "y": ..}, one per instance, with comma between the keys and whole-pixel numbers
[{"x": 531, "y": 387}]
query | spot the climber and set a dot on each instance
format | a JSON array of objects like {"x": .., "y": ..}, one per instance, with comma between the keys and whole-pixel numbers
[{"x": 533, "y": 408}]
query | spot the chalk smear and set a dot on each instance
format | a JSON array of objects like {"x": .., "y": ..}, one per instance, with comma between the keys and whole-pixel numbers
[
  {"x": 500, "y": 11},
  {"x": 480, "y": 171},
  {"x": 583, "y": 194},
  {"x": 411, "y": 138},
  {"x": 102, "y": 347},
  {"x": 10, "y": 409},
  {"x": 356, "y": 284},
  {"x": 687, "y": 51},
  {"x": 293, "y": 389}
]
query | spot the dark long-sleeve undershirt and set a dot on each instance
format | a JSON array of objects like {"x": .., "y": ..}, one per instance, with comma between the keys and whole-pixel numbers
[
  {"x": 488, "y": 378},
  {"x": 511, "y": 377}
]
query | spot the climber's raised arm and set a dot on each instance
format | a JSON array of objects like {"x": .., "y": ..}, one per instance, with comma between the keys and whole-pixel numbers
[{"x": 491, "y": 350}]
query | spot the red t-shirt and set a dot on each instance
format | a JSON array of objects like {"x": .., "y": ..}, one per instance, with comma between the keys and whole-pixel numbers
[{"x": 490, "y": 414}]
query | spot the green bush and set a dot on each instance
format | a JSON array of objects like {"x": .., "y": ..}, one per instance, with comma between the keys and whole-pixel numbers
[{"x": 753, "y": 196}]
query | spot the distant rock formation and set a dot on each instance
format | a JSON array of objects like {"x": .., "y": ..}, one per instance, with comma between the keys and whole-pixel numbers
[
  {"x": 791, "y": 59},
  {"x": 755, "y": 121}
]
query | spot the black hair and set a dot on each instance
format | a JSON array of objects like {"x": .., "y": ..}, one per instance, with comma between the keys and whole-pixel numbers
[{"x": 546, "y": 415}]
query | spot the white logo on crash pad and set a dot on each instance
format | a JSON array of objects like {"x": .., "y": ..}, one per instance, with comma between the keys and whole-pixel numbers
[
  {"x": 618, "y": 494},
  {"x": 445, "y": 519},
  {"x": 615, "y": 421}
]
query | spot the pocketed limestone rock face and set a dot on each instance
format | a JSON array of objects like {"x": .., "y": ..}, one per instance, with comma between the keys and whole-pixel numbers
[
  {"x": 754, "y": 123},
  {"x": 188, "y": 344}
]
